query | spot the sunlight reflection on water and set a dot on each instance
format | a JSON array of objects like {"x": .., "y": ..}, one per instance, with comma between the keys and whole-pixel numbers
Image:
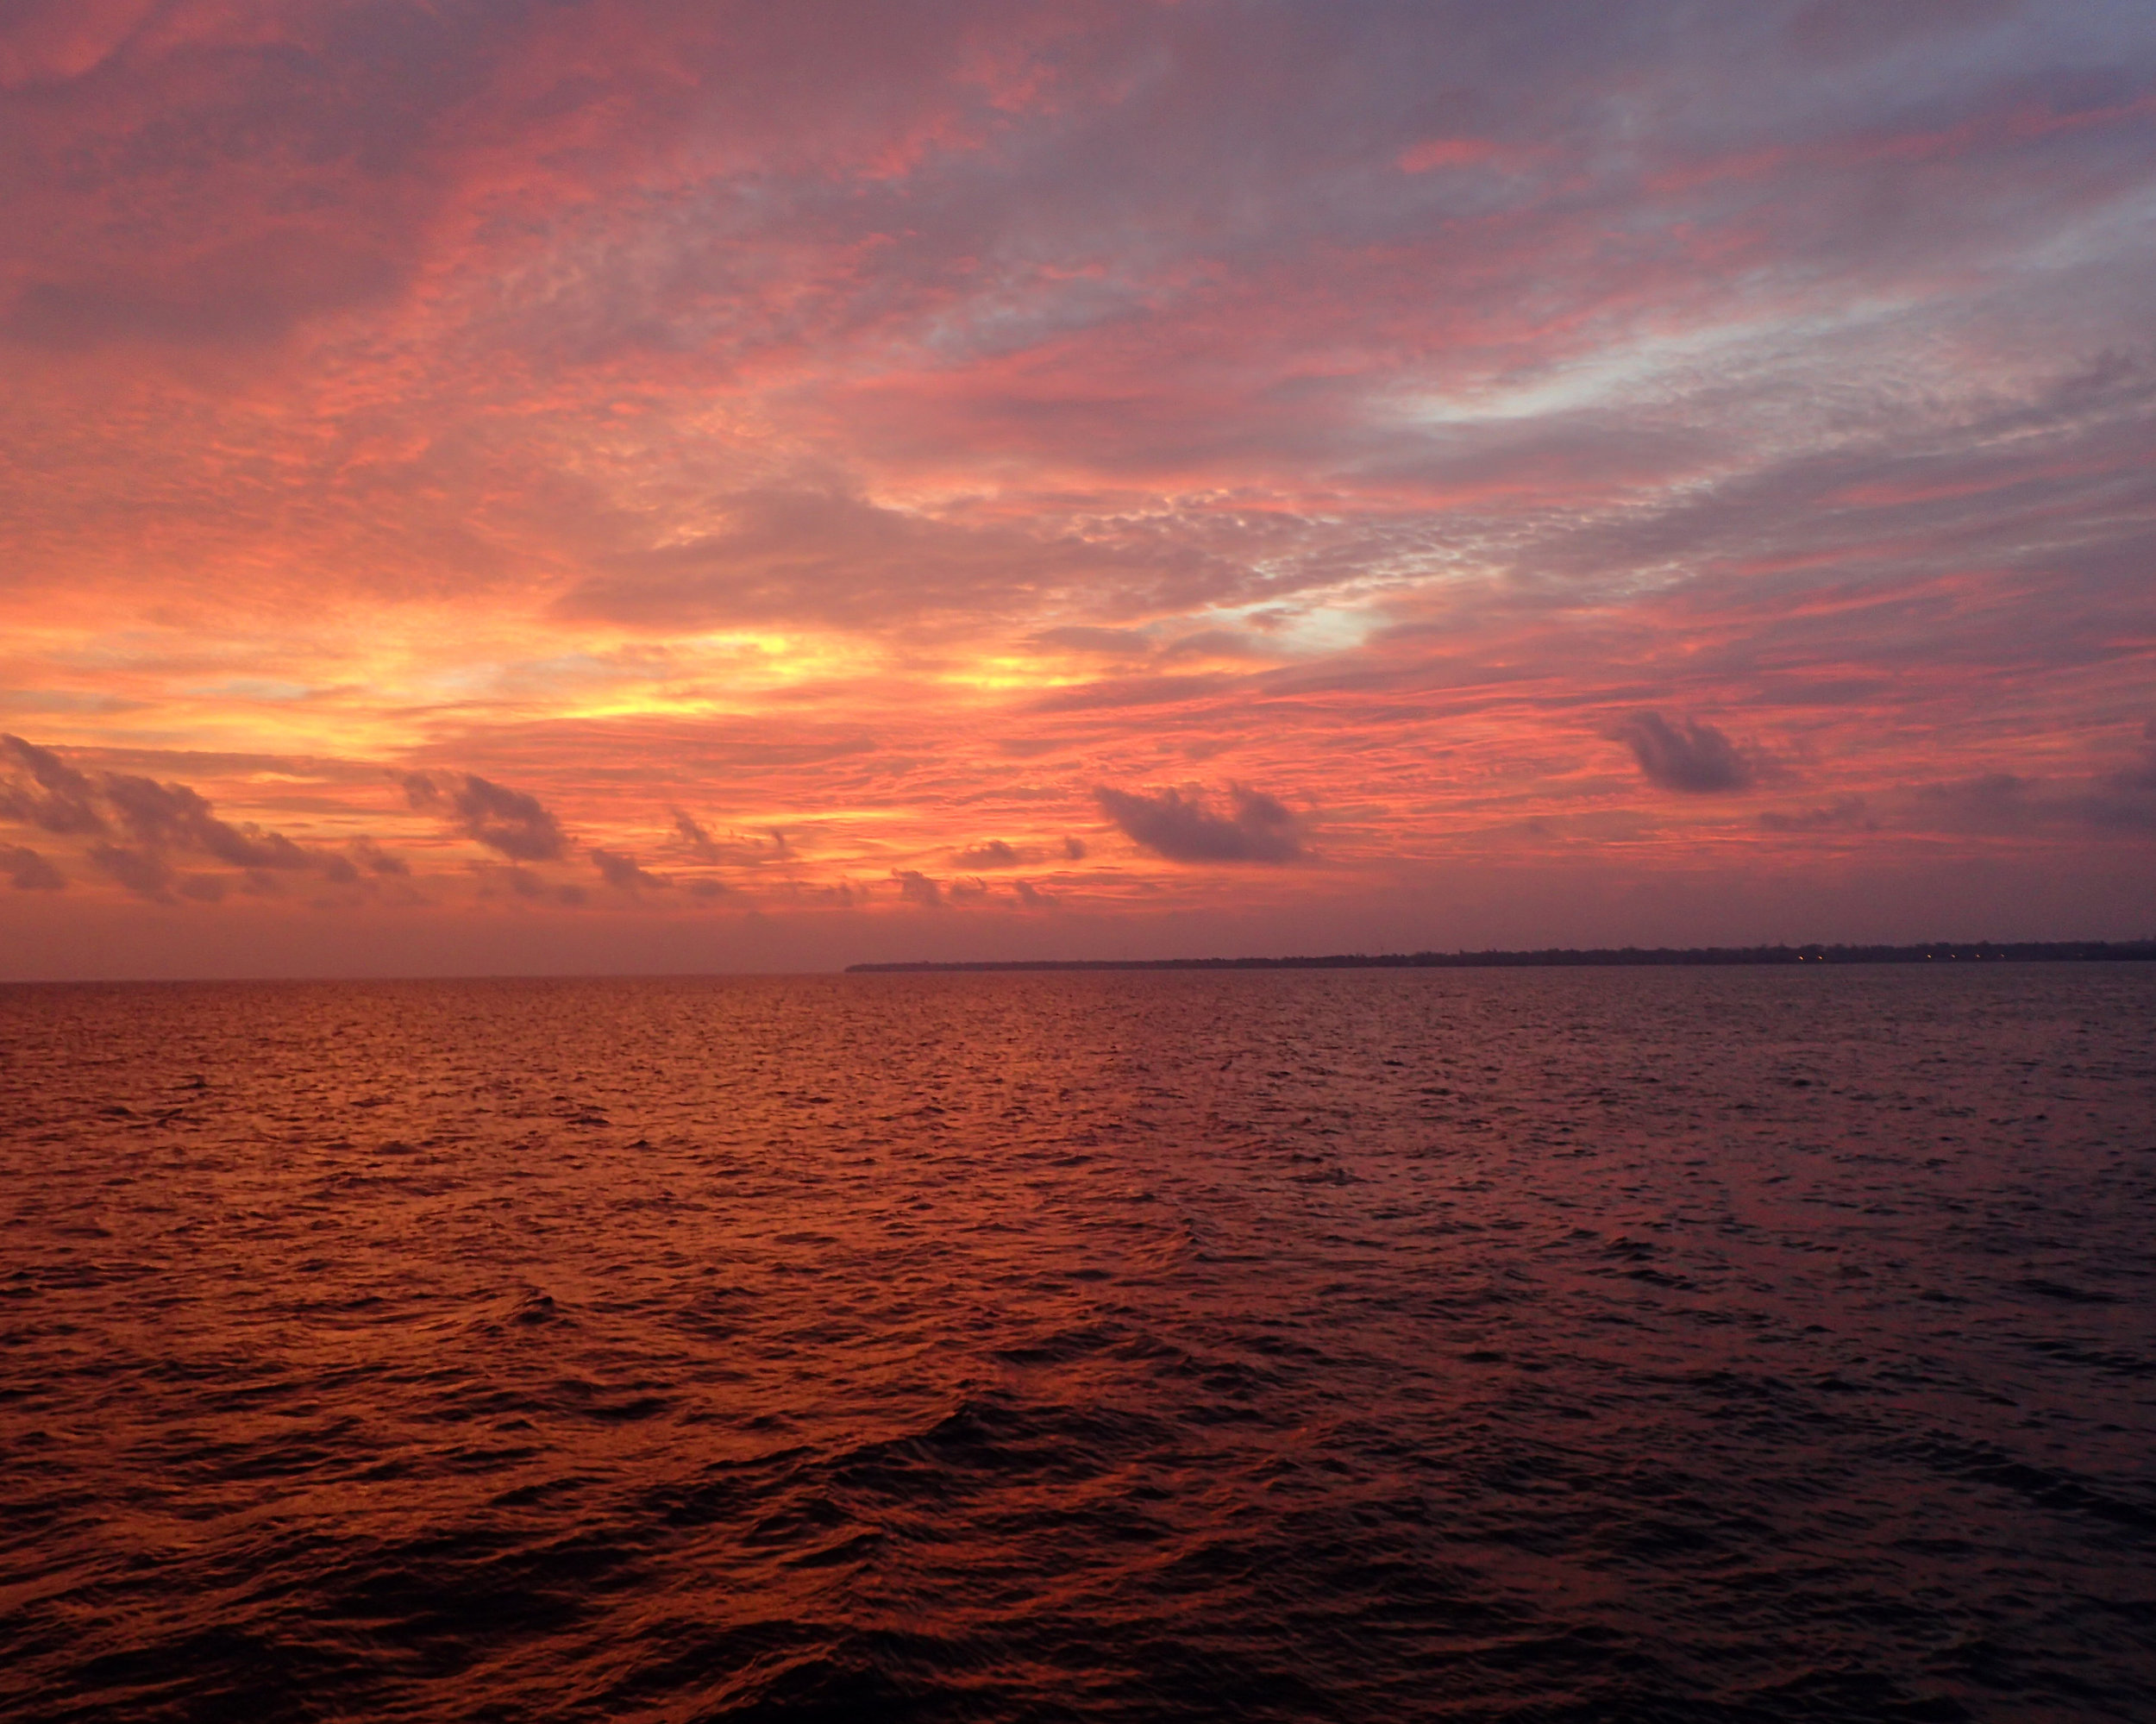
[{"x": 1716, "y": 1344}]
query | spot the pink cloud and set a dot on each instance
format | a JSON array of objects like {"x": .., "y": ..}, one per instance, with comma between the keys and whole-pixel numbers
[{"x": 895, "y": 429}]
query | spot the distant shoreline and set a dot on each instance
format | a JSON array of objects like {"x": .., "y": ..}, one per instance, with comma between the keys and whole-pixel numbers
[{"x": 1980, "y": 951}]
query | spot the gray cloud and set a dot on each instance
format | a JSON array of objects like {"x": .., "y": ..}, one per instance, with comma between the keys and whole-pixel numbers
[
  {"x": 508, "y": 822},
  {"x": 41, "y": 789},
  {"x": 1690, "y": 756},
  {"x": 29, "y": 871},
  {"x": 1844, "y": 814},
  {"x": 916, "y": 887},
  {"x": 993, "y": 854},
  {"x": 2005, "y": 802},
  {"x": 734, "y": 850},
  {"x": 526, "y": 884},
  {"x": 176, "y": 816},
  {"x": 245, "y": 295},
  {"x": 694, "y": 836},
  {"x": 370, "y": 855},
  {"x": 1261, "y": 828},
  {"x": 624, "y": 872},
  {"x": 2142, "y": 774},
  {"x": 141, "y": 872}
]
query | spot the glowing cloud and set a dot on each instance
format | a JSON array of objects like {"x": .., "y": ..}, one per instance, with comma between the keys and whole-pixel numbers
[{"x": 745, "y": 474}]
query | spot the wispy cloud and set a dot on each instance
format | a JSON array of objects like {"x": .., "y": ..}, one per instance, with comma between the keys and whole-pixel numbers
[{"x": 773, "y": 450}]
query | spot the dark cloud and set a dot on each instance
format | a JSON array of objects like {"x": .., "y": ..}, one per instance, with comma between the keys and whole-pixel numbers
[
  {"x": 1690, "y": 756},
  {"x": 370, "y": 855},
  {"x": 1030, "y": 897},
  {"x": 141, "y": 872},
  {"x": 526, "y": 884},
  {"x": 624, "y": 872},
  {"x": 1074, "y": 848},
  {"x": 993, "y": 854},
  {"x": 698, "y": 840},
  {"x": 244, "y": 295},
  {"x": 2142, "y": 774},
  {"x": 2006, "y": 802},
  {"x": 734, "y": 850},
  {"x": 1261, "y": 828},
  {"x": 1844, "y": 814},
  {"x": 916, "y": 887},
  {"x": 175, "y": 816},
  {"x": 509, "y": 822},
  {"x": 29, "y": 871},
  {"x": 41, "y": 789},
  {"x": 1837, "y": 31}
]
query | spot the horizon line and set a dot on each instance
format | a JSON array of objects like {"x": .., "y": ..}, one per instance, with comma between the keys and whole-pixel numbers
[{"x": 2023, "y": 951}]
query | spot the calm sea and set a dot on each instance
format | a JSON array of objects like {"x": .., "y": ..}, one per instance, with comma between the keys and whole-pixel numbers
[{"x": 1588, "y": 1344}]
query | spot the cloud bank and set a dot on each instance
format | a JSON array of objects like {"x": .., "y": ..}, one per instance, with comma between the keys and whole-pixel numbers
[{"x": 496, "y": 457}]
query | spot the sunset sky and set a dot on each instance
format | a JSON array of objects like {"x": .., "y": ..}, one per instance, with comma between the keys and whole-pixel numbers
[{"x": 618, "y": 485}]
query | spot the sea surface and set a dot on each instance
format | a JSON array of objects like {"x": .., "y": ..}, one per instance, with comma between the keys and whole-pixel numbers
[{"x": 1690, "y": 1345}]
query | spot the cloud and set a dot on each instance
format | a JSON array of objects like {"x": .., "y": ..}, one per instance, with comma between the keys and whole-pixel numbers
[
  {"x": 1691, "y": 756},
  {"x": 624, "y": 872},
  {"x": 141, "y": 872},
  {"x": 370, "y": 855},
  {"x": 837, "y": 559},
  {"x": 2008, "y": 803},
  {"x": 1261, "y": 828},
  {"x": 1844, "y": 814},
  {"x": 2142, "y": 774},
  {"x": 509, "y": 822},
  {"x": 916, "y": 887},
  {"x": 698, "y": 840},
  {"x": 1084, "y": 638},
  {"x": 993, "y": 854},
  {"x": 524, "y": 883},
  {"x": 1030, "y": 897},
  {"x": 29, "y": 871},
  {"x": 1507, "y": 370},
  {"x": 1074, "y": 848},
  {"x": 176, "y": 816},
  {"x": 42, "y": 790}
]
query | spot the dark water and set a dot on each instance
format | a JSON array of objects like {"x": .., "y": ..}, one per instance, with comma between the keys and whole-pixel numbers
[{"x": 1679, "y": 1345}]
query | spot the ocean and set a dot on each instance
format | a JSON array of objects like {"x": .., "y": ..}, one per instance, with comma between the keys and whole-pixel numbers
[{"x": 1680, "y": 1345}]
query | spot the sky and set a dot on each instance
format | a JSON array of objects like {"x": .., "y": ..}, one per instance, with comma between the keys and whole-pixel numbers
[{"x": 667, "y": 485}]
